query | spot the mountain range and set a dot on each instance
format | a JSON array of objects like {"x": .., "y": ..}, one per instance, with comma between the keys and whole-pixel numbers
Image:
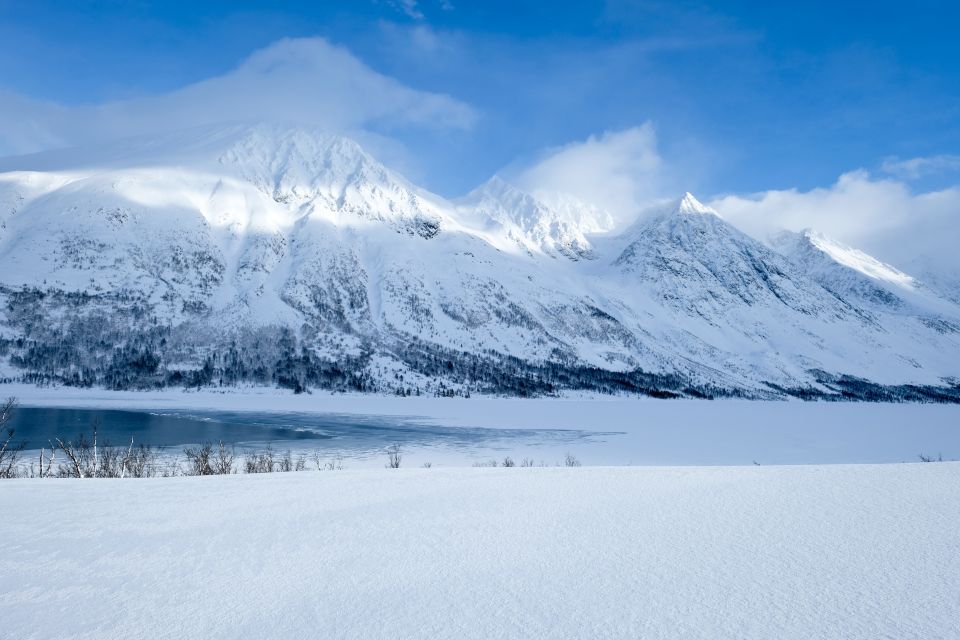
[{"x": 263, "y": 254}]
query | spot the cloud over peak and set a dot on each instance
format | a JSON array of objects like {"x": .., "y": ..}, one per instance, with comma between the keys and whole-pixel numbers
[
  {"x": 304, "y": 80},
  {"x": 618, "y": 170},
  {"x": 914, "y": 231}
]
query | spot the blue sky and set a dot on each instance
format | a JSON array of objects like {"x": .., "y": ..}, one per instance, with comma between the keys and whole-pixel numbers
[{"x": 733, "y": 98}]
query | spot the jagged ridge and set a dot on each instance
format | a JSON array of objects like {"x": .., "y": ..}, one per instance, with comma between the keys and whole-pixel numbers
[{"x": 269, "y": 254}]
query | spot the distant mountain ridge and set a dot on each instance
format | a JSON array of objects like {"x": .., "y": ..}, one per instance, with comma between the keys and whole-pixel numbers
[{"x": 278, "y": 255}]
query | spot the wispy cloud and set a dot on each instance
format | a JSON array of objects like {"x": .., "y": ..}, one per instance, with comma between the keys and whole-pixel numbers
[
  {"x": 883, "y": 216},
  {"x": 410, "y": 8},
  {"x": 916, "y": 168},
  {"x": 304, "y": 81},
  {"x": 617, "y": 170},
  {"x": 413, "y": 9}
]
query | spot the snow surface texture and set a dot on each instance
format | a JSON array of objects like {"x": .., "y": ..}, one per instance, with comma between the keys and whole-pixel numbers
[
  {"x": 759, "y": 552},
  {"x": 224, "y": 230}
]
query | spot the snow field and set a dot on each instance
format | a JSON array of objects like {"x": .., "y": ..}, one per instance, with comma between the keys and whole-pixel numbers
[{"x": 852, "y": 551}]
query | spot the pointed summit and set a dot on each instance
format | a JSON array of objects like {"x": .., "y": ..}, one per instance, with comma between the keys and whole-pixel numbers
[
  {"x": 690, "y": 205},
  {"x": 698, "y": 263}
]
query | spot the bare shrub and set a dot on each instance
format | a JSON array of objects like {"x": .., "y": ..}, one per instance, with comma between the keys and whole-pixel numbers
[
  {"x": 570, "y": 461},
  {"x": 335, "y": 463},
  {"x": 285, "y": 463},
  {"x": 111, "y": 462},
  {"x": 427, "y": 465},
  {"x": 261, "y": 462},
  {"x": 393, "y": 456},
  {"x": 78, "y": 455},
  {"x": 171, "y": 469},
  {"x": 527, "y": 462},
  {"x": 508, "y": 462},
  {"x": 141, "y": 461},
  {"x": 87, "y": 458},
  {"x": 267, "y": 462},
  {"x": 223, "y": 460},
  {"x": 10, "y": 450},
  {"x": 198, "y": 460},
  {"x": 204, "y": 460},
  {"x": 46, "y": 463},
  {"x": 6, "y": 410},
  {"x": 486, "y": 463},
  {"x": 924, "y": 458}
]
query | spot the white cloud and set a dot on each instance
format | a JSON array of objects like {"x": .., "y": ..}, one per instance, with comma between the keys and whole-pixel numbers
[
  {"x": 916, "y": 168},
  {"x": 917, "y": 231},
  {"x": 305, "y": 81},
  {"x": 409, "y": 7},
  {"x": 619, "y": 170},
  {"x": 412, "y": 8}
]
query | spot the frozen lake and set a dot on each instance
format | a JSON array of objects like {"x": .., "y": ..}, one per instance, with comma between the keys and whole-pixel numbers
[
  {"x": 358, "y": 438},
  {"x": 463, "y": 432}
]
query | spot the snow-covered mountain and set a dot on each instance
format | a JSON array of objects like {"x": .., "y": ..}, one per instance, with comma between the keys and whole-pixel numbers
[
  {"x": 279, "y": 255},
  {"x": 854, "y": 275},
  {"x": 554, "y": 224}
]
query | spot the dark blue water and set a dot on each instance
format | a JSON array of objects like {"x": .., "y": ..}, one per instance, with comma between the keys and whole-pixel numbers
[{"x": 347, "y": 434}]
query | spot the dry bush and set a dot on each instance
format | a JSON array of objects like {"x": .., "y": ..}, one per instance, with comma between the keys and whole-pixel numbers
[
  {"x": 10, "y": 450},
  {"x": 335, "y": 463},
  {"x": 88, "y": 458},
  {"x": 198, "y": 460},
  {"x": 393, "y": 456},
  {"x": 223, "y": 460},
  {"x": 142, "y": 461},
  {"x": 79, "y": 458},
  {"x": 285, "y": 464},
  {"x": 570, "y": 461},
  {"x": 262, "y": 462}
]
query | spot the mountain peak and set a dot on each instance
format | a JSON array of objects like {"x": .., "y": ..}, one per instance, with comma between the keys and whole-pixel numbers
[
  {"x": 499, "y": 190},
  {"x": 690, "y": 205},
  {"x": 552, "y": 223}
]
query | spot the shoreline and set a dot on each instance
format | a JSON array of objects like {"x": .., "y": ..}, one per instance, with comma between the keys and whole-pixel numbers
[{"x": 620, "y": 431}]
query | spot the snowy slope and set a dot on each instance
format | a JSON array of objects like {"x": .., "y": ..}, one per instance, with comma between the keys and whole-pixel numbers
[
  {"x": 553, "y": 224},
  {"x": 854, "y": 275},
  {"x": 856, "y": 552},
  {"x": 762, "y": 310},
  {"x": 281, "y": 255}
]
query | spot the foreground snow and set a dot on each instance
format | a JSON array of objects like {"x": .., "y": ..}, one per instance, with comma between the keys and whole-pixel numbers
[{"x": 757, "y": 552}]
